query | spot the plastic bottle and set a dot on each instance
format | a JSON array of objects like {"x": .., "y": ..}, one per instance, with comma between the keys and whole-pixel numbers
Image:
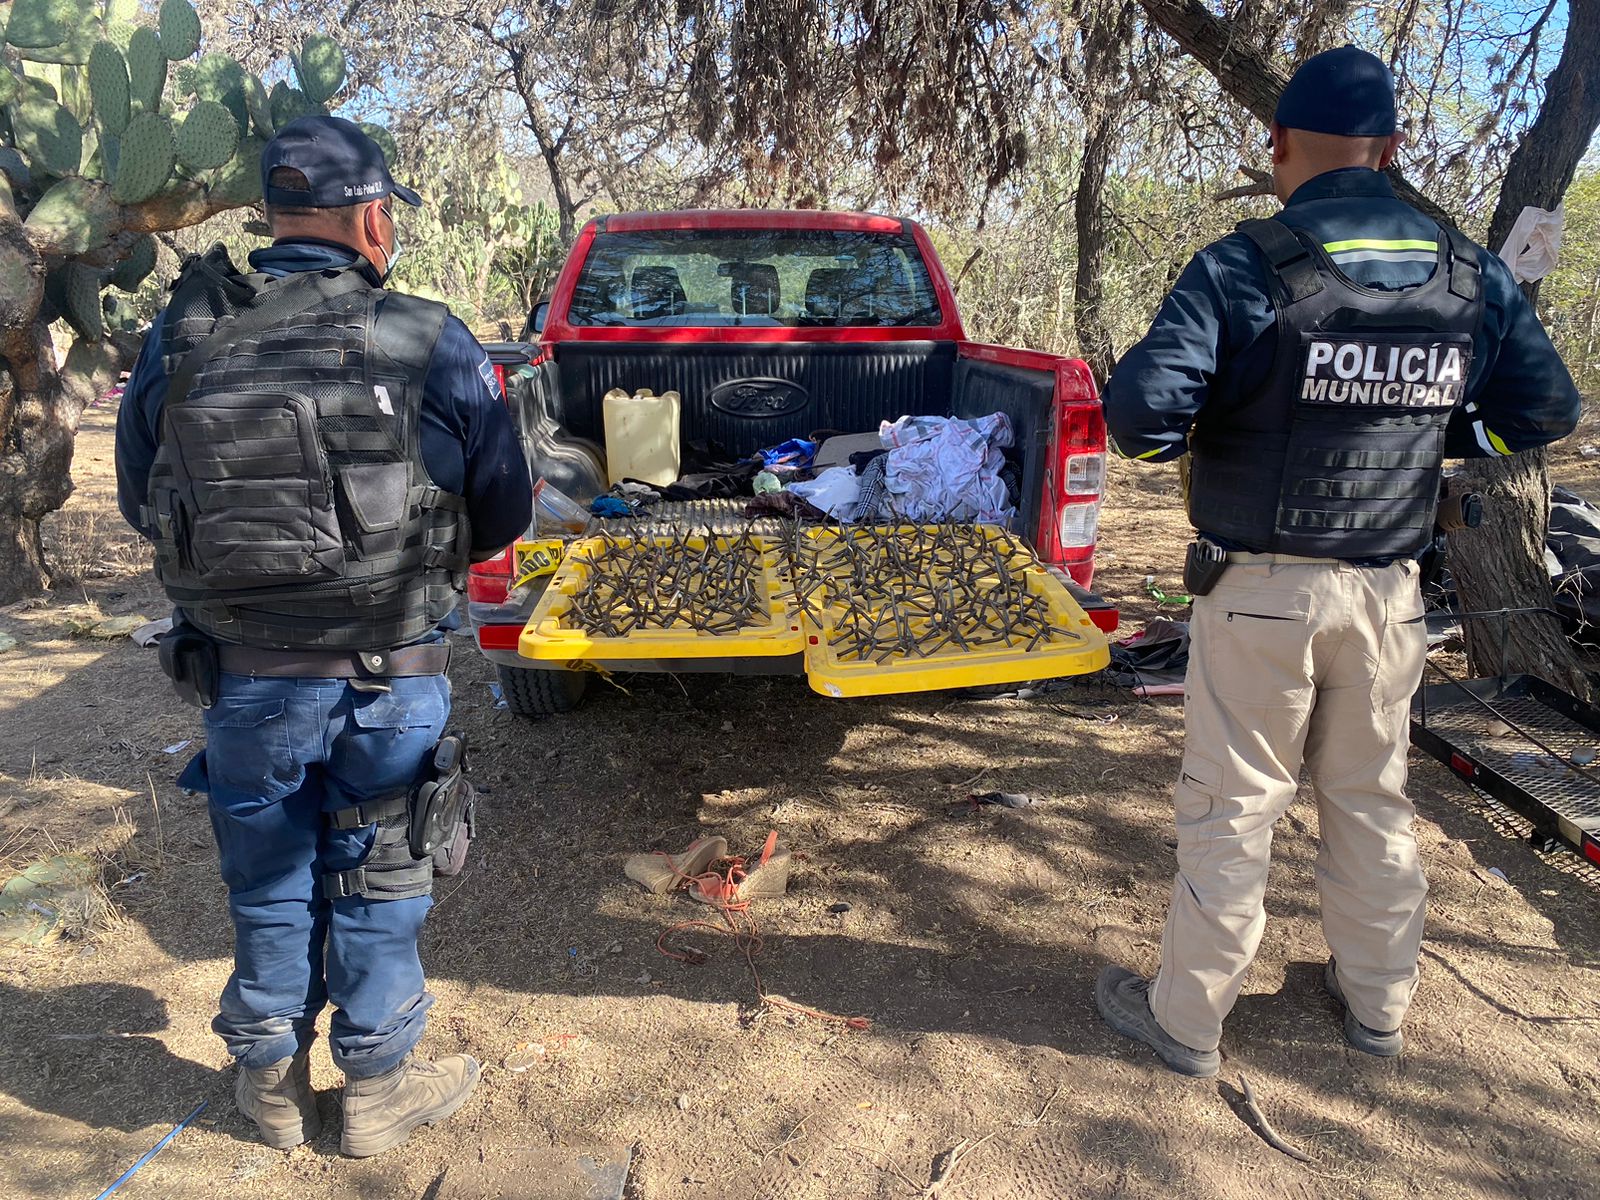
[
  {"x": 556, "y": 512},
  {"x": 642, "y": 436}
]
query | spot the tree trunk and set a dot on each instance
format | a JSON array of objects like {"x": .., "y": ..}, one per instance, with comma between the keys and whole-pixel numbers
[
  {"x": 1088, "y": 296},
  {"x": 1501, "y": 565},
  {"x": 525, "y": 71},
  {"x": 40, "y": 407}
]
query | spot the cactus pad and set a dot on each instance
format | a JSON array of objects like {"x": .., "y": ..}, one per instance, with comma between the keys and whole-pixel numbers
[
  {"x": 38, "y": 24},
  {"x": 259, "y": 106},
  {"x": 385, "y": 142},
  {"x": 208, "y": 136},
  {"x": 10, "y": 86},
  {"x": 108, "y": 87},
  {"x": 239, "y": 182},
  {"x": 74, "y": 216},
  {"x": 180, "y": 28},
  {"x": 215, "y": 75},
  {"x": 291, "y": 103},
  {"x": 320, "y": 67},
  {"x": 147, "y": 69},
  {"x": 131, "y": 271},
  {"x": 75, "y": 289},
  {"x": 146, "y": 160},
  {"x": 47, "y": 133}
]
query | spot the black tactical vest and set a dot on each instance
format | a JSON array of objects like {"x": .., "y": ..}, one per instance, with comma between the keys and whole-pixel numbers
[
  {"x": 1338, "y": 454},
  {"x": 289, "y": 500}
]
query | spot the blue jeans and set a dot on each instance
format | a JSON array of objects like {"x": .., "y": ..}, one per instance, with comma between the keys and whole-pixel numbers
[{"x": 279, "y": 754}]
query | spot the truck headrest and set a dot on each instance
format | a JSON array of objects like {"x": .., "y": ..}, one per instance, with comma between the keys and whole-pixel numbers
[
  {"x": 657, "y": 292},
  {"x": 755, "y": 289}
]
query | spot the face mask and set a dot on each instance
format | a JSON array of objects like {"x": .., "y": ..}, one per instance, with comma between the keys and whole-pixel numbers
[{"x": 392, "y": 256}]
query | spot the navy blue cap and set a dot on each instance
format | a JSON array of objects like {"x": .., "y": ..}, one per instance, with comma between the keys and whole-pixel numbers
[
  {"x": 343, "y": 165},
  {"x": 1346, "y": 92}
]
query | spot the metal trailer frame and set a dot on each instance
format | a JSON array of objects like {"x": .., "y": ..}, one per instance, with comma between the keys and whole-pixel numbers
[{"x": 1529, "y": 764}]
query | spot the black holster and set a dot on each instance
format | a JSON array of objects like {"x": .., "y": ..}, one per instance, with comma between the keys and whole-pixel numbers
[
  {"x": 189, "y": 658},
  {"x": 444, "y": 809},
  {"x": 1203, "y": 565},
  {"x": 422, "y": 832}
]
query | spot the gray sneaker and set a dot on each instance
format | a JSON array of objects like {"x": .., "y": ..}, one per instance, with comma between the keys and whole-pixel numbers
[
  {"x": 380, "y": 1113},
  {"x": 279, "y": 1099},
  {"x": 1363, "y": 1037},
  {"x": 1124, "y": 1001}
]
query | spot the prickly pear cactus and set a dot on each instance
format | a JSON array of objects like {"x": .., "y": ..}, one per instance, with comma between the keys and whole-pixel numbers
[
  {"x": 38, "y": 24},
  {"x": 320, "y": 68},
  {"x": 147, "y": 69},
  {"x": 108, "y": 88},
  {"x": 290, "y": 104},
  {"x": 215, "y": 75},
  {"x": 74, "y": 216},
  {"x": 146, "y": 160},
  {"x": 46, "y": 132},
  {"x": 180, "y": 28},
  {"x": 131, "y": 271},
  {"x": 54, "y": 31},
  {"x": 75, "y": 289},
  {"x": 259, "y": 106},
  {"x": 208, "y": 136},
  {"x": 92, "y": 122},
  {"x": 385, "y": 141}
]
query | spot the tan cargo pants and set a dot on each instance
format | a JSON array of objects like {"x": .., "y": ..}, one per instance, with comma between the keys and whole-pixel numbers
[{"x": 1296, "y": 661}]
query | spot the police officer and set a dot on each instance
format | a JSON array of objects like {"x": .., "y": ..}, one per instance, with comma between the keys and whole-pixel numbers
[
  {"x": 1319, "y": 366},
  {"x": 317, "y": 461}
]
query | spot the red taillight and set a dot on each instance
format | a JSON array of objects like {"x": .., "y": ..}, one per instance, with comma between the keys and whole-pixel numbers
[
  {"x": 1069, "y": 525},
  {"x": 500, "y": 375},
  {"x": 488, "y": 582}
]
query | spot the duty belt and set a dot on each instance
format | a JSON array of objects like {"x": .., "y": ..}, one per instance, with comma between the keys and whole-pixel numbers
[
  {"x": 1245, "y": 556},
  {"x": 431, "y": 659}
]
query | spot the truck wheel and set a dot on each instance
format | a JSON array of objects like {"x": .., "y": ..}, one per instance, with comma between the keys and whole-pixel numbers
[{"x": 531, "y": 693}]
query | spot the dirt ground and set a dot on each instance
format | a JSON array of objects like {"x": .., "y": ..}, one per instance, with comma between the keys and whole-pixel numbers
[{"x": 970, "y": 944}]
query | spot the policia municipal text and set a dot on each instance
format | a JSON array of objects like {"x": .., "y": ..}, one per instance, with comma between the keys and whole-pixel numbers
[
  {"x": 1319, "y": 367},
  {"x": 318, "y": 461}
]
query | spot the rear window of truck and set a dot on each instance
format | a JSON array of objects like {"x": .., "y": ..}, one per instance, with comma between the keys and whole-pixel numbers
[{"x": 695, "y": 277}]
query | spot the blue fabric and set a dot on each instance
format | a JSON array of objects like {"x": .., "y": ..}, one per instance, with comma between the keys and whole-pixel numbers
[
  {"x": 280, "y": 753},
  {"x": 1215, "y": 334},
  {"x": 469, "y": 443},
  {"x": 610, "y": 506},
  {"x": 793, "y": 455},
  {"x": 1346, "y": 91}
]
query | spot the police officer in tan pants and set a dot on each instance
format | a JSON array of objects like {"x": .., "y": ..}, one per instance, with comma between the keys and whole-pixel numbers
[{"x": 1319, "y": 367}]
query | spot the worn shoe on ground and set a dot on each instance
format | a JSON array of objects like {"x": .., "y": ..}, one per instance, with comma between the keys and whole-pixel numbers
[
  {"x": 279, "y": 1099},
  {"x": 381, "y": 1112},
  {"x": 659, "y": 872},
  {"x": 1363, "y": 1037},
  {"x": 767, "y": 879},
  {"x": 1124, "y": 1001}
]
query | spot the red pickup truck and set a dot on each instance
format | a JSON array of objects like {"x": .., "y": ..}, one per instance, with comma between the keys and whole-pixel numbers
[{"x": 772, "y": 325}]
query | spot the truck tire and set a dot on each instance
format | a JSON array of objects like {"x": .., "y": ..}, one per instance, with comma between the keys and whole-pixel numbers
[{"x": 531, "y": 693}]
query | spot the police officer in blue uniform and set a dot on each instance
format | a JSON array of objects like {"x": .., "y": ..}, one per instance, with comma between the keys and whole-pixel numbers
[
  {"x": 1318, "y": 366},
  {"x": 318, "y": 461}
]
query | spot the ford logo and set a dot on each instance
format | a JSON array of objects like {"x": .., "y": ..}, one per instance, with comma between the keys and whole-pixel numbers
[{"x": 760, "y": 397}]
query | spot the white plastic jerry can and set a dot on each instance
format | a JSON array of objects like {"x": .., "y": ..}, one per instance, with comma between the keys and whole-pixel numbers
[{"x": 642, "y": 436}]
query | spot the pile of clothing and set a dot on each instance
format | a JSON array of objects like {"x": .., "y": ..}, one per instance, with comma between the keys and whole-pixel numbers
[
  {"x": 920, "y": 469},
  {"x": 923, "y": 469}
]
